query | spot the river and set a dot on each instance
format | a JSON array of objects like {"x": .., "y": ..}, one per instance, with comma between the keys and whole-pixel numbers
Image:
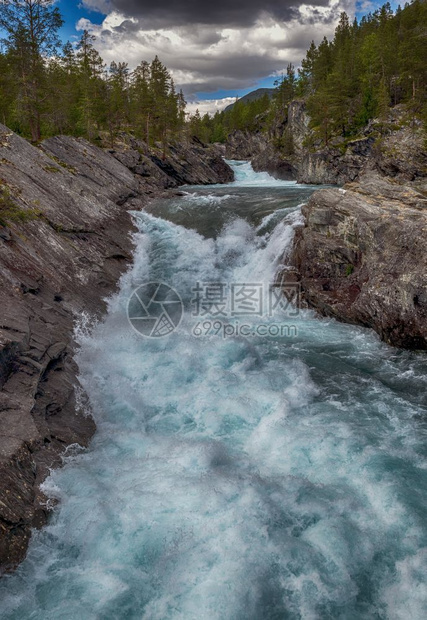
[{"x": 254, "y": 463}]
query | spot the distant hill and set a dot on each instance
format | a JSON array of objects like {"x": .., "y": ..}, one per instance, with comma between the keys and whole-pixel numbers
[{"x": 253, "y": 96}]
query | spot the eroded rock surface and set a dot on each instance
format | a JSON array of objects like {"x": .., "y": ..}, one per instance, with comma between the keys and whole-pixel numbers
[
  {"x": 245, "y": 145},
  {"x": 61, "y": 254},
  {"x": 394, "y": 147},
  {"x": 362, "y": 257}
]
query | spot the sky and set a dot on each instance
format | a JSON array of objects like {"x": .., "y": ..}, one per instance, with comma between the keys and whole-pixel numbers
[{"x": 216, "y": 50}]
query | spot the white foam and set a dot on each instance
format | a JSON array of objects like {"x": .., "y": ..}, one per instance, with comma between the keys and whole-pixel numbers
[
  {"x": 232, "y": 478},
  {"x": 245, "y": 176}
]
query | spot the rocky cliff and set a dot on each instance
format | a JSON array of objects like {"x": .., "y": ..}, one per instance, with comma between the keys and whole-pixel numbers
[
  {"x": 361, "y": 257},
  {"x": 64, "y": 241},
  {"x": 394, "y": 147}
]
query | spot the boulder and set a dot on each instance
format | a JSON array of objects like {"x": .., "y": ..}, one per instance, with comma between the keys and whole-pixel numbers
[
  {"x": 245, "y": 145},
  {"x": 361, "y": 257}
]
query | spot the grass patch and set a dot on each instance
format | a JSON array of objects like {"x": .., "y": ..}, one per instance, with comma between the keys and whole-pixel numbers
[
  {"x": 11, "y": 212},
  {"x": 60, "y": 163}
]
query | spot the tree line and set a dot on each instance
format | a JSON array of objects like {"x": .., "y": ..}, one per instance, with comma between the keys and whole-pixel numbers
[
  {"x": 48, "y": 89},
  {"x": 369, "y": 66},
  {"x": 242, "y": 115}
]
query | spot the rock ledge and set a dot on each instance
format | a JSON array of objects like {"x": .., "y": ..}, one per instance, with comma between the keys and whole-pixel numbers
[
  {"x": 64, "y": 242},
  {"x": 362, "y": 257}
]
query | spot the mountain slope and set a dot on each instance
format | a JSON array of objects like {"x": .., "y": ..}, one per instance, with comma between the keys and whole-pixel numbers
[{"x": 253, "y": 96}]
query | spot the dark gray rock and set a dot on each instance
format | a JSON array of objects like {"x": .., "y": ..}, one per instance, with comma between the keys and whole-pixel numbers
[
  {"x": 245, "y": 145},
  {"x": 362, "y": 258},
  {"x": 394, "y": 147},
  {"x": 402, "y": 153},
  {"x": 185, "y": 163},
  {"x": 275, "y": 164},
  {"x": 64, "y": 260}
]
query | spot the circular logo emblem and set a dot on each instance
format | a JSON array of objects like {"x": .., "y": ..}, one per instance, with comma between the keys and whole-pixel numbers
[{"x": 155, "y": 310}]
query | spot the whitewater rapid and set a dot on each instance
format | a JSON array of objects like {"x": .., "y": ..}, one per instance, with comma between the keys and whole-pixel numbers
[{"x": 232, "y": 477}]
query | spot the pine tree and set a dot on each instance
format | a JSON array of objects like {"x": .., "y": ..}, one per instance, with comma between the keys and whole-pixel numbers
[
  {"x": 118, "y": 99},
  {"x": 305, "y": 74},
  {"x": 92, "y": 88},
  {"x": 160, "y": 86},
  {"x": 9, "y": 93},
  {"x": 196, "y": 128},
  {"x": 383, "y": 99},
  {"x": 32, "y": 35},
  {"x": 142, "y": 100}
]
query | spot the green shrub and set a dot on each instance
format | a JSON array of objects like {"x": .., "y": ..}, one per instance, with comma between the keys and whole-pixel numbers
[{"x": 10, "y": 211}]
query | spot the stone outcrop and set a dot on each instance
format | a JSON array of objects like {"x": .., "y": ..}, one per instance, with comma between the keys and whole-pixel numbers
[
  {"x": 296, "y": 161},
  {"x": 386, "y": 148},
  {"x": 361, "y": 257},
  {"x": 193, "y": 163},
  {"x": 337, "y": 164},
  {"x": 394, "y": 147},
  {"x": 245, "y": 145},
  {"x": 272, "y": 161},
  {"x": 64, "y": 242},
  {"x": 402, "y": 153}
]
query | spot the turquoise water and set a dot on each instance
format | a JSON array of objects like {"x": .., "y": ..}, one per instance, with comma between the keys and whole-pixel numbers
[{"x": 232, "y": 477}]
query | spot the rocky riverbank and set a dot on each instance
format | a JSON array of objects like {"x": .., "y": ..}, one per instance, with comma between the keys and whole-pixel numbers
[
  {"x": 65, "y": 239},
  {"x": 394, "y": 147},
  {"x": 361, "y": 257}
]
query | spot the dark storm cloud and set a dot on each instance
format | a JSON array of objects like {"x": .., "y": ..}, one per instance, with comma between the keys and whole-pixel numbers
[
  {"x": 229, "y": 71},
  {"x": 218, "y": 12},
  {"x": 224, "y": 46}
]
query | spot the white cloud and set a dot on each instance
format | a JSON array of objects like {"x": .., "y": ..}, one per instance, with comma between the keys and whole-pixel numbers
[
  {"x": 209, "y": 58},
  {"x": 209, "y": 106}
]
